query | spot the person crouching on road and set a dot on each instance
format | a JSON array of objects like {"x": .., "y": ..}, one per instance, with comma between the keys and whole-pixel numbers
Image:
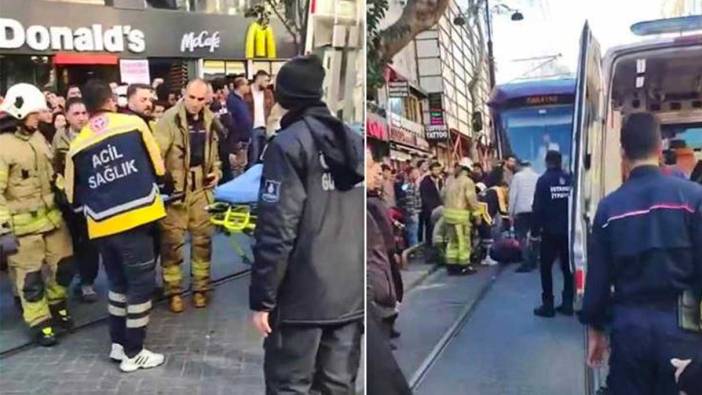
[
  {"x": 33, "y": 235},
  {"x": 307, "y": 280},
  {"x": 460, "y": 208},
  {"x": 111, "y": 172},
  {"x": 188, "y": 141},
  {"x": 550, "y": 223}
]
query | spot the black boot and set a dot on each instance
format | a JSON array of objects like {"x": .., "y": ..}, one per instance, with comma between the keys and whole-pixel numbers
[
  {"x": 546, "y": 309},
  {"x": 45, "y": 335},
  {"x": 466, "y": 270},
  {"x": 61, "y": 316},
  {"x": 566, "y": 308}
]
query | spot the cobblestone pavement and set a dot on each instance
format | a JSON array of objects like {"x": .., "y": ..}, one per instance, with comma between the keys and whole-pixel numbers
[{"x": 209, "y": 351}]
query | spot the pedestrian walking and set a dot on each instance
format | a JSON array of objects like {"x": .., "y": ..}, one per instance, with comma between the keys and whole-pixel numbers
[
  {"x": 550, "y": 227},
  {"x": 111, "y": 173},
  {"x": 307, "y": 279},
  {"x": 188, "y": 142},
  {"x": 645, "y": 270},
  {"x": 411, "y": 205},
  {"x": 430, "y": 192},
  {"x": 33, "y": 236}
]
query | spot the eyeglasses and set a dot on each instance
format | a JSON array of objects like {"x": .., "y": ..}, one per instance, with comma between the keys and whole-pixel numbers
[{"x": 196, "y": 98}]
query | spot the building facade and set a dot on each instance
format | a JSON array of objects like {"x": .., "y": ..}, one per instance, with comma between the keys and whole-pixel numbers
[
  {"x": 134, "y": 41},
  {"x": 453, "y": 69}
]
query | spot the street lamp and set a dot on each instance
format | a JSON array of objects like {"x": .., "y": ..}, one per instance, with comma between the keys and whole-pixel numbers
[{"x": 516, "y": 16}]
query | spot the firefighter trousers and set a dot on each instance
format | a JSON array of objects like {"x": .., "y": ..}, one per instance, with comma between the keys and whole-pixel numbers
[
  {"x": 181, "y": 217},
  {"x": 129, "y": 262},
  {"x": 42, "y": 269},
  {"x": 303, "y": 359},
  {"x": 458, "y": 236}
]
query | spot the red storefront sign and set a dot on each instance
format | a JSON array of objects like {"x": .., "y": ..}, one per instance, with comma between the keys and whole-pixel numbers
[{"x": 376, "y": 126}]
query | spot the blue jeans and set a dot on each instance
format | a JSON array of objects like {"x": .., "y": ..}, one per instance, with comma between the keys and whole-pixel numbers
[
  {"x": 258, "y": 142},
  {"x": 412, "y": 230}
]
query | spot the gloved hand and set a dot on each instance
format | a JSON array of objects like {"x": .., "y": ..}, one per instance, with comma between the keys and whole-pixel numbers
[
  {"x": 8, "y": 244},
  {"x": 166, "y": 184}
]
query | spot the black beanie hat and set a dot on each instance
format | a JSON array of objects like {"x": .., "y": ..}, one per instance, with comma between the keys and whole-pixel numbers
[{"x": 299, "y": 81}]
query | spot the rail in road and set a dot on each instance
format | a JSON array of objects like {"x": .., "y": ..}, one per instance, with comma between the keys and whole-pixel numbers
[{"x": 490, "y": 342}]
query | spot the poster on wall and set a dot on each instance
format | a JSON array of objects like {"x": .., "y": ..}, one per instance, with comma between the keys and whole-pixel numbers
[{"x": 134, "y": 71}]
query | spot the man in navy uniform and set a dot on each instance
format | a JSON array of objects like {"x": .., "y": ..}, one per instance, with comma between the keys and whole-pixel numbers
[
  {"x": 550, "y": 222},
  {"x": 647, "y": 247}
]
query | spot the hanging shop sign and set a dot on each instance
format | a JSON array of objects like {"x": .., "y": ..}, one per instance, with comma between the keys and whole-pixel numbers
[
  {"x": 437, "y": 133},
  {"x": 32, "y": 27},
  {"x": 398, "y": 88}
]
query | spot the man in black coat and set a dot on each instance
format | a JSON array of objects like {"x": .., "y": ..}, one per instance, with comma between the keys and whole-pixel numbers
[
  {"x": 307, "y": 280},
  {"x": 430, "y": 192}
]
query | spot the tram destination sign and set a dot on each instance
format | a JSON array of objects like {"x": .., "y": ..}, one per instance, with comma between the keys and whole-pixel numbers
[{"x": 541, "y": 100}]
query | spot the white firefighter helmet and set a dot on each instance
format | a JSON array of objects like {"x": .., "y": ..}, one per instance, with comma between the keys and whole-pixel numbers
[
  {"x": 466, "y": 163},
  {"x": 23, "y": 99}
]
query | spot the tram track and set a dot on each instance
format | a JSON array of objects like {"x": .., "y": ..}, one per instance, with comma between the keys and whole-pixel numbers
[{"x": 98, "y": 321}]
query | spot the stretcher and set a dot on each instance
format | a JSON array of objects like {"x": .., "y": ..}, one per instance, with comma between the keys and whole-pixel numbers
[{"x": 234, "y": 208}]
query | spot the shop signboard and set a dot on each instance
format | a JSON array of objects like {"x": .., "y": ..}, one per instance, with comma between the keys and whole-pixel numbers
[
  {"x": 398, "y": 89},
  {"x": 134, "y": 71},
  {"x": 436, "y": 133},
  {"x": 376, "y": 126},
  {"x": 33, "y": 28},
  {"x": 404, "y": 131}
]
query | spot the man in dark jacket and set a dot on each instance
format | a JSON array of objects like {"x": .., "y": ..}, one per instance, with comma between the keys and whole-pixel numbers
[
  {"x": 221, "y": 113},
  {"x": 240, "y": 134},
  {"x": 646, "y": 247},
  {"x": 550, "y": 222},
  {"x": 307, "y": 279},
  {"x": 430, "y": 191}
]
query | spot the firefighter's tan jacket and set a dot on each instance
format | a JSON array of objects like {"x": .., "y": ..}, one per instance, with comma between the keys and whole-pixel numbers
[
  {"x": 27, "y": 203},
  {"x": 172, "y": 136},
  {"x": 460, "y": 194}
]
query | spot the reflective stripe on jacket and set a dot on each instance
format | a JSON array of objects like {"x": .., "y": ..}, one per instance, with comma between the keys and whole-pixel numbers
[{"x": 111, "y": 172}]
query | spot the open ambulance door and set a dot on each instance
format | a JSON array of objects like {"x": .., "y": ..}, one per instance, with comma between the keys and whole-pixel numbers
[
  {"x": 588, "y": 168},
  {"x": 586, "y": 151}
]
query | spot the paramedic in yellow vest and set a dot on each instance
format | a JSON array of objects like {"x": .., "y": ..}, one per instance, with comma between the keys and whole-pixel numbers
[
  {"x": 112, "y": 168},
  {"x": 260, "y": 40},
  {"x": 33, "y": 235},
  {"x": 188, "y": 141},
  {"x": 460, "y": 208}
]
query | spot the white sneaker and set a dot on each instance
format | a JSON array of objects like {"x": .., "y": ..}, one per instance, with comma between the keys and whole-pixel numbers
[
  {"x": 489, "y": 262},
  {"x": 117, "y": 352},
  {"x": 144, "y": 360}
]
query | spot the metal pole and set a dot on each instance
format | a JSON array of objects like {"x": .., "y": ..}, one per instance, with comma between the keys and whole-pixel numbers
[{"x": 491, "y": 57}]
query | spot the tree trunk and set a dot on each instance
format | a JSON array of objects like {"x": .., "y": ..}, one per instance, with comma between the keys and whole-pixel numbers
[{"x": 417, "y": 16}]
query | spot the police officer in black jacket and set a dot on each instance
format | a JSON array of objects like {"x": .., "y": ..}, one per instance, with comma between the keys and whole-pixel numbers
[
  {"x": 647, "y": 246},
  {"x": 307, "y": 282},
  {"x": 550, "y": 221}
]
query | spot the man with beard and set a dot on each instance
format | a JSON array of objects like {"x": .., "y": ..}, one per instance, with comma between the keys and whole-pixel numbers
[
  {"x": 307, "y": 280},
  {"x": 140, "y": 103}
]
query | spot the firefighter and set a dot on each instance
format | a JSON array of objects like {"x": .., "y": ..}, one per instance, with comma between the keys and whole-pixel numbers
[
  {"x": 645, "y": 254},
  {"x": 307, "y": 279},
  {"x": 111, "y": 173},
  {"x": 188, "y": 141},
  {"x": 460, "y": 207},
  {"x": 32, "y": 232}
]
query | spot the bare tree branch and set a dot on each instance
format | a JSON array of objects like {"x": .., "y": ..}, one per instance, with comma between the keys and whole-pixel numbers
[
  {"x": 417, "y": 16},
  {"x": 295, "y": 34}
]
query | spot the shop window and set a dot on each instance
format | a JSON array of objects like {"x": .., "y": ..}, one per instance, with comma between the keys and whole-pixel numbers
[
  {"x": 221, "y": 68},
  {"x": 396, "y": 105},
  {"x": 35, "y": 70},
  {"x": 413, "y": 109}
]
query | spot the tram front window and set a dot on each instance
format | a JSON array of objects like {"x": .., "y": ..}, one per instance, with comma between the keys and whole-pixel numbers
[
  {"x": 690, "y": 133},
  {"x": 532, "y": 131}
]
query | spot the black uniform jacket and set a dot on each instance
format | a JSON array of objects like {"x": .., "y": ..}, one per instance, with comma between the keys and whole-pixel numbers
[{"x": 309, "y": 264}]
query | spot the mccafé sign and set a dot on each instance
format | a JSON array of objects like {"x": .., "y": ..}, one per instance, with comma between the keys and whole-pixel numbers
[{"x": 96, "y": 37}]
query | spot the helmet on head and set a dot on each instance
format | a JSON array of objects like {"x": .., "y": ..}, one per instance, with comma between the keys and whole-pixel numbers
[
  {"x": 23, "y": 99},
  {"x": 466, "y": 163}
]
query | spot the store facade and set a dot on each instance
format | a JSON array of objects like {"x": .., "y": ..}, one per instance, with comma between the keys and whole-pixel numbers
[{"x": 54, "y": 44}]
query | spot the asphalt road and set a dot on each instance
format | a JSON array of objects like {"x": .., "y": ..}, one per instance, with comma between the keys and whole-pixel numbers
[{"x": 502, "y": 348}]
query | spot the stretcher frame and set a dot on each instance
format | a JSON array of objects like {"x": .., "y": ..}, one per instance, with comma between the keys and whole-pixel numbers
[{"x": 234, "y": 218}]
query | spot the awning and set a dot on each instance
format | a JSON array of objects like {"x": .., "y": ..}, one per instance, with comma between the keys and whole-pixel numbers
[
  {"x": 68, "y": 58},
  {"x": 392, "y": 75}
]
